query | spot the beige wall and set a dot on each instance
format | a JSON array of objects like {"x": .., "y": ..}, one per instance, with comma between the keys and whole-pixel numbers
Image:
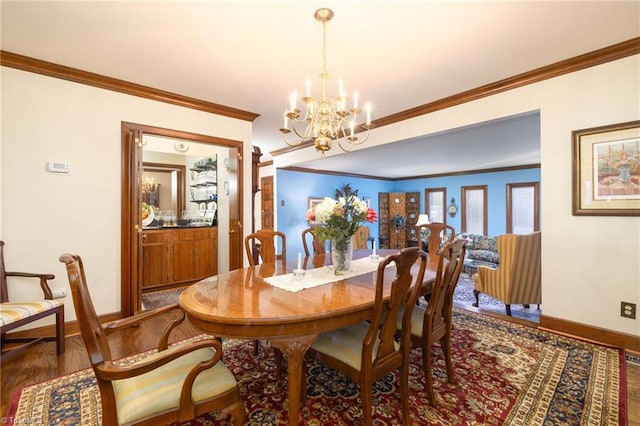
[
  {"x": 589, "y": 263},
  {"x": 43, "y": 215}
]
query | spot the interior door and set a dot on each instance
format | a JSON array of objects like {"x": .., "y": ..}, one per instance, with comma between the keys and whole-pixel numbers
[
  {"x": 135, "y": 195},
  {"x": 235, "y": 224},
  {"x": 266, "y": 217},
  {"x": 131, "y": 225}
]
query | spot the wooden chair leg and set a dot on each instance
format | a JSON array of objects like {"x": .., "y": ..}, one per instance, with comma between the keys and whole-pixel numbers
[
  {"x": 239, "y": 414},
  {"x": 446, "y": 348},
  {"x": 365, "y": 396},
  {"x": 508, "y": 308},
  {"x": 426, "y": 362},
  {"x": 404, "y": 393},
  {"x": 476, "y": 294},
  {"x": 60, "y": 338}
]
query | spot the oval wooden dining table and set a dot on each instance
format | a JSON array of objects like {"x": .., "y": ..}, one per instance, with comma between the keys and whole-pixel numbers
[{"x": 241, "y": 304}]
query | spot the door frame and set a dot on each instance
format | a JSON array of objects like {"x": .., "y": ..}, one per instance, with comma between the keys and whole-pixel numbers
[{"x": 131, "y": 222}]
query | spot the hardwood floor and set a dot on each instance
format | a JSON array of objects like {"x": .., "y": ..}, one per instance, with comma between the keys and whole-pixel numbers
[{"x": 40, "y": 363}]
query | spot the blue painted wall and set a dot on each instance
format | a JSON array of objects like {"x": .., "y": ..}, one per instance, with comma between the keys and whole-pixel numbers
[
  {"x": 294, "y": 188},
  {"x": 496, "y": 193}
]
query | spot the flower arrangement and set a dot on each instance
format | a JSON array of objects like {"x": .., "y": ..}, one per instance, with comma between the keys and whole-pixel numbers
[{"x": 340, "y": 218}]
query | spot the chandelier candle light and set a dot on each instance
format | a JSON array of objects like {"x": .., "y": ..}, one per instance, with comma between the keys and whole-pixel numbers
[{"x": 325, "y": 118}]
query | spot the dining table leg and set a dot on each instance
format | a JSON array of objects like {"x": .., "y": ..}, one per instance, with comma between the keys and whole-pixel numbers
[{"x": 294, "y": 348}]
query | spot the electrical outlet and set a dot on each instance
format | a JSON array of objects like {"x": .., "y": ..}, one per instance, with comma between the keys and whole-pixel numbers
[
  {"x": 59, "y": 293},
  {"x": 628, "y": 310}
]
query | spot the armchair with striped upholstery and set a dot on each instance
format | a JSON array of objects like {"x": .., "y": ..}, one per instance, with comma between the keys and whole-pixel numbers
[
  {"x": 15, "y": 314},
  {"x": 517, "y": 279}
]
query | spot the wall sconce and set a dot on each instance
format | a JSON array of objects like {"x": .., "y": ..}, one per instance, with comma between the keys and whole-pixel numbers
[{"x": 453, "y": 209}]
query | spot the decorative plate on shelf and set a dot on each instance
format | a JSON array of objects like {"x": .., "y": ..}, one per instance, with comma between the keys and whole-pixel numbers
[{"x": 147, "y": 214}]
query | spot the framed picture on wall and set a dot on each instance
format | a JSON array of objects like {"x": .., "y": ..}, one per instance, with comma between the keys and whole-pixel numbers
[
  {"x": 311, "y": 203},
  {"x": 606, "y": 170}
]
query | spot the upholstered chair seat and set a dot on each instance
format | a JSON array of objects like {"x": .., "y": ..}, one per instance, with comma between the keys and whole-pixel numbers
[
  {"x": 345, "y": 344},
  {"x": 158, "y": 391},
  {"x": 11, "y": 312}
]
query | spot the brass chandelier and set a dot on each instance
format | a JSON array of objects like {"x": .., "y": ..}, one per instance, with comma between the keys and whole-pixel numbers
[{"x": 325, "y": 118}]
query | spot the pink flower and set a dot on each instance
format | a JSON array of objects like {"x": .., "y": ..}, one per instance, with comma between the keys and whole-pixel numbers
[
  {"x": 310, "y": 215},
  {"x": 372, "y": 216}
]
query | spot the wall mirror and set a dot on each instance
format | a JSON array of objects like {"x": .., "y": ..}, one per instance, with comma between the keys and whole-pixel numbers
[
  {"x": 163, "y": 186},
  {"x": 179, "y": 183}
]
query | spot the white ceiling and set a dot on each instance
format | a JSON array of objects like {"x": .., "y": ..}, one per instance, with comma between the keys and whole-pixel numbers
[{"x": 397, "y": 54}]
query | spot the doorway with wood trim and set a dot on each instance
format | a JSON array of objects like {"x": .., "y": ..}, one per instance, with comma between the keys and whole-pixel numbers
[
  {"x": 229, "y": 157},
  {"x": 266, "y": 199}
]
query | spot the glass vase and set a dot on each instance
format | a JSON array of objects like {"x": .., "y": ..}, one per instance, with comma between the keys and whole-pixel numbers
[{"x": 341, "y": 254}]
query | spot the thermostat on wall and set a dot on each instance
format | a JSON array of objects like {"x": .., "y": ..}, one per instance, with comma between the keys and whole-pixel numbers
[{"x": 61, "y": 167}]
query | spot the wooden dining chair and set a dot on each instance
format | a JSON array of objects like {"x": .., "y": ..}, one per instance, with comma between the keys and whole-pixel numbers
[
  {"x": 260, "y": 246},
  {"x": 317, "y": 243},
  {"x": 14, "y": 314},
  {"x": 439, "y": 234},
  {"x": 176, "y": 384},
  {"x": 368, "y": 351},
  {"x": 433, "y": 323}
]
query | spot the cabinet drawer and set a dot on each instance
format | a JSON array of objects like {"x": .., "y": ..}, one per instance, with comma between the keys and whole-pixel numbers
[
  {"x": 195, "y": 233},
  {"x": 150, "y": 237}
]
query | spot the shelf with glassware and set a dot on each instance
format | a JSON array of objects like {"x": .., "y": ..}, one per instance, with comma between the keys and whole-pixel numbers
[{"x": 204, "y": 193}]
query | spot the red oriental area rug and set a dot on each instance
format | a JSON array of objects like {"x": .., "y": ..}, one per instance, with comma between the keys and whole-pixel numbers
[{"x": 506, "y": 374}]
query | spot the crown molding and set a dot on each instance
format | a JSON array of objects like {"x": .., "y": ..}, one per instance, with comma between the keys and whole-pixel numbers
[
  {"x": 466, "y": 172},
  {"x": 37, "y": 66},
  {"x": 567, "y": 66}
]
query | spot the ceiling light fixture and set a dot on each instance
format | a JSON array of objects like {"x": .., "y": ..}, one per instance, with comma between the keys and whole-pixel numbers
[{"x": 325, "y": 118}]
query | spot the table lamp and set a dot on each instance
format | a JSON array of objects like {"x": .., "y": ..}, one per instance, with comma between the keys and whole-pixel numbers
[{"x": 423, "y": 220}]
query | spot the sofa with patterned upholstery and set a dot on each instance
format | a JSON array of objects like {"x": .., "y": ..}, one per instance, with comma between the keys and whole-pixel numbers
[{"x": 481, "y": 251}]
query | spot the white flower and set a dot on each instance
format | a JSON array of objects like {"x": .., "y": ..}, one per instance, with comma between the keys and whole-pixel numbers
[{"x": 325, "y": 209}]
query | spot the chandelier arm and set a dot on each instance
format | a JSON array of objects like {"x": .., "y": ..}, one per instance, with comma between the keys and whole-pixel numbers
[
  {"x": 284, "y": 138},
  {"x": 360, "y": 141}
]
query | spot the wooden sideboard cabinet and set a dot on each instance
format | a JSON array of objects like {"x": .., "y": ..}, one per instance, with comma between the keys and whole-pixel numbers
[{"x": 178, "y": 256}]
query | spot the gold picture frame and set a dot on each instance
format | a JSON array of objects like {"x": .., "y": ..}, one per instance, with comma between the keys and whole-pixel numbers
[{"x": 606, "y": 170}]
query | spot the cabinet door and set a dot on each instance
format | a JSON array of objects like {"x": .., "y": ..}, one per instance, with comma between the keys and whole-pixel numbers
[
  {"x": 184, "y": 268},
  {"x": 206, "y": 259},
  {"x": 195, "y": 254},
  {"x": 156, "y": 256}
]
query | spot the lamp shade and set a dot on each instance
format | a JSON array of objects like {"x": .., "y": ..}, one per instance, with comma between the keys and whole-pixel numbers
[{"x": 423, "y": 219}]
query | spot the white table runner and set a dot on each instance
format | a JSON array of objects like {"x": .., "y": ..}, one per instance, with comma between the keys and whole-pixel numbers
[{"x": 325, "y": 275}]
